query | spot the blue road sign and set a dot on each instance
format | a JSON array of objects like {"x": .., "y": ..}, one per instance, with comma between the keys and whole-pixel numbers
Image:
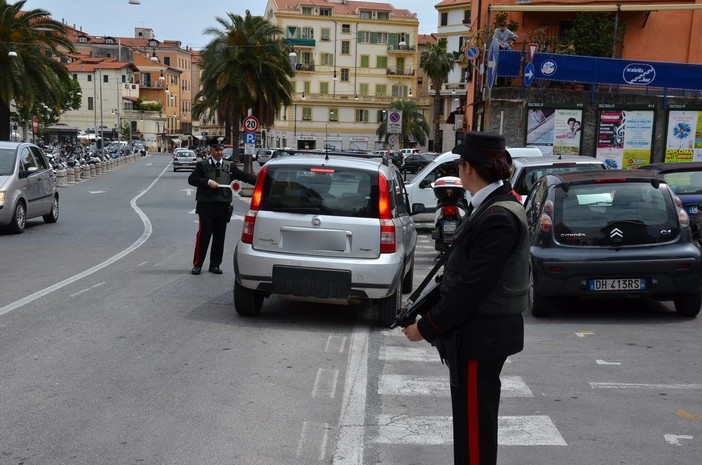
[
  {"x": 493, "y": 54},
  {"x": 472, "y": 52},
  {"x": 204, "y": 133},
  {"x": 529, "y": 73},
  {"x": 249, "y": 138}
]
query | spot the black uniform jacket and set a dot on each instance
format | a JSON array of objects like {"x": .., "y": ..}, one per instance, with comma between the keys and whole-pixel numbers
[
  {"x": 215, "y": 202},
  {"x": 476, "y": 260}
]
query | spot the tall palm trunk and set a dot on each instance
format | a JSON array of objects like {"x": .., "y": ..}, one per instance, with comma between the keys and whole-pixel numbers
[
  {"x": 4, "y": 121},
  {"x": 438, "y": 143}
]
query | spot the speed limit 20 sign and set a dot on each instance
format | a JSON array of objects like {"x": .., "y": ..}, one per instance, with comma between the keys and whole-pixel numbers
[{"x": 251, "y": 124}]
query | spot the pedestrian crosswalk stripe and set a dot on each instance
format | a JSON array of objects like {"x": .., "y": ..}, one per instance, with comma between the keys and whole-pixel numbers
[
  {"x": 409, "y": 354},
  {"x": 438, "y": 386},
  {"x": 529, "y": 430}
]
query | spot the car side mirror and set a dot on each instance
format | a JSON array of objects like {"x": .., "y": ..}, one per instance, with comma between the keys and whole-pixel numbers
[
  {"x": 418, "y": 208},
  {"x": 424, "y": 183}
]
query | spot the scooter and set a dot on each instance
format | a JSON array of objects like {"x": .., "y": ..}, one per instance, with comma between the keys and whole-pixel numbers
[{"x": 451, "y": 208}]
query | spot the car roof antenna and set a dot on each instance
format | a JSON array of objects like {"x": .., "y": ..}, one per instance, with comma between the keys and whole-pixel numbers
[{"x": 326, "y": 156}]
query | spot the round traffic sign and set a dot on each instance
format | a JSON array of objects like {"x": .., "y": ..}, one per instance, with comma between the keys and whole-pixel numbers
[
  {"x": 251, "y": 124},
  {"x": 35, "y": 123},
  {"x": 472, "y": 52}
]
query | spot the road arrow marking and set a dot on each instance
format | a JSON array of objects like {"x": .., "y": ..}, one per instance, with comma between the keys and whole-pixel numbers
[
  {"x": 192, "y": 212},
  {"x": 188, "y": 191},
  {"x": 584, "y": 333},
  {"x": 674, "y": 439},
  {"x": 602, "y": 362}
]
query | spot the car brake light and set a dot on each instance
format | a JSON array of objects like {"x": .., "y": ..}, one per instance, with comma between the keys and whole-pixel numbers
[
  {"x": 323, "y": 170},
  {"x": 609, "y": 181},
  {"x": 388, "y": 242},
  {"x": 545, "y": 223},
  {"x": 247, "y": 231}
]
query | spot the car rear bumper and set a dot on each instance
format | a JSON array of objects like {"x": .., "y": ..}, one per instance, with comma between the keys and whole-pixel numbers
[
  {"x": 313, "y": 277},
  {"x": 675, "y": 274}
]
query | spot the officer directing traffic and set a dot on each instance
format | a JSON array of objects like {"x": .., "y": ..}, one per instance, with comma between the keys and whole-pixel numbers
[
  {"x": 214, "y": 205},
  {"x": 477, "y": 322}
]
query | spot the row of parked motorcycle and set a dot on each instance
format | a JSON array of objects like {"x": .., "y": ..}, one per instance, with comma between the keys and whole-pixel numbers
[{"x": 64, "y": 156}]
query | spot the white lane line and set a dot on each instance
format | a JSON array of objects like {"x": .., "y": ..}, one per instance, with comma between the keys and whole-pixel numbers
[
  {"x": 148, "y": 229},
  {"x": 604, "y": 362},
  {"x": 644, "y": 386},
  {"x": 530, "y": 430},
  {"x": 438, "y": 386},
  {"x": 325, "y": 383},
  {"x": 82, "y": 291},
  {"x": 349, "y": 445},
  {"x": 310, "y": 445},
  {"x": 409, "y": 354},
  {"x": 335, "y": 344}
]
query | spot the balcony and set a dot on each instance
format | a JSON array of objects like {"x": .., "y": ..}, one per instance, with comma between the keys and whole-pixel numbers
[
  {"x": 304, "y": 67},
  {"x": 401, "y": 49},
  {"x": 300, "y": 42},
  {"x": 402, "y": 72}
]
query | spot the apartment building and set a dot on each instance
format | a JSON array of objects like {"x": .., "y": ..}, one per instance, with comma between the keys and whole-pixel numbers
[{"x": 352, "y": 60}]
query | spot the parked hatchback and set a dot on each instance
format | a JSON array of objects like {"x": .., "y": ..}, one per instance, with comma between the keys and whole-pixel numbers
[
  {"x": 334, "y": 229},
  {"x": 27, "y": 186},
  {"x": 611, "y": 233}
]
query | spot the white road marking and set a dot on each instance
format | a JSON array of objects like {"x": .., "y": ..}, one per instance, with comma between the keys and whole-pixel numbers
[
  {"x": 644, "y": 386},
  {"x": 602, "y": 362},
  {"x": 438, "y": 386},
  {"x": 530, "y": 430},
  {"x": 352, "y": 423},
  {"x": 82, "y": 291},
  {"x": 409, "y": 354},
  {"x": 584, "y": 333},
  {"x": 97, "y": 192},
  {"x": 674, "y": 439},
  {"x": 325, "y": 383},
  {"x": 188, "y": 191},
  {"x": 148, "y": 229},
  {"x": 335, "y": 344},
  {"x": 309, "y": 444}
]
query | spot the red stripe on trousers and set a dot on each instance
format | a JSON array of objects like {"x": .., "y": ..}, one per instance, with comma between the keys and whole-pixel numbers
[
  {"x": 473, "y": 428},
  {"x": 196, "y": 258}
]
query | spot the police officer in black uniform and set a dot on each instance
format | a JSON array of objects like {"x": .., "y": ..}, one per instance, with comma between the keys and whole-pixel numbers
[
  {"x": 214, "y": 205},
  {"x": 478, "y": 321}
]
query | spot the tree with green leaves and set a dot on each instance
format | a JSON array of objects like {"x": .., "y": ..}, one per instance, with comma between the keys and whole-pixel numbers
[
  {"x": 48, "y": 115},
  {"x": 32, "y": 56},
  {"x": 593, "y": 34},
  {"x": 437, "y": 63},
  {"x": 414, "y": 125},
  {"x": 245, "y": 67}
]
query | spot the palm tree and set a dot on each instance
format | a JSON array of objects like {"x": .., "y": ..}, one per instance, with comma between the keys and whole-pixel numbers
[
  {"x": 35, "y": 72},
  {"x": 414, "y": 126},
  {"x": 436, "y": 63},
  {"x": 245, "y": 67}
]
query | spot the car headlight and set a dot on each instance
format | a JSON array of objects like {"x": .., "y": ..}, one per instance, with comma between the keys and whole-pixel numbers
[{"x": 2, "y": 196}]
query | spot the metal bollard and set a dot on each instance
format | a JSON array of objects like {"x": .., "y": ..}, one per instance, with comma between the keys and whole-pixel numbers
[
  {"x": 61, "y": 178},
  {"x": 70, "y": 176},
  {"x": 76, "y": 173}
]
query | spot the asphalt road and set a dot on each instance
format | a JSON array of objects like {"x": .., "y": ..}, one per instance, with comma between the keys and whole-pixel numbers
[{"x": 112, "y": 353}]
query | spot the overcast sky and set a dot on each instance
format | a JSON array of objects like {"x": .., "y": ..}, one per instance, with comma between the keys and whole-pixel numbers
[{"x": 182, "y": 20}]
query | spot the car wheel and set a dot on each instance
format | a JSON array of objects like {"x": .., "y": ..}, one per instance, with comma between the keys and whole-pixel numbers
[
  {"x": 19, "y": 219},
  {"x": 386, "y": 308},
  {"x": 247, "y": 302},
  {"x": 539, "y": 306},
  {"x": 408, "y": 281},
  {"x": 52, "y": 216},
  {"x": 688, "y": 304}
]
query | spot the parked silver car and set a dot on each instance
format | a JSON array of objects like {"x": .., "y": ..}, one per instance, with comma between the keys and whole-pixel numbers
[
  {"x": 27, "y": 186},
  {"x": 327, "y": 228}
]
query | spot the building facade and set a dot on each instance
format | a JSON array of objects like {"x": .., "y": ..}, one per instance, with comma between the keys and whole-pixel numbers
[{"x": 352, "y": 60}]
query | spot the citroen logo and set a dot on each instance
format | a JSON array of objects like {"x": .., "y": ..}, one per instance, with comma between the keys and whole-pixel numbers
[{"x": 616, "y": 232}]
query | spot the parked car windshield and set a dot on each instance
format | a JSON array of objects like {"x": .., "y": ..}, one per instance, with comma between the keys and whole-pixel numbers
[
  {"x": 531, "y": 174},
  {"x": 336, "y": 192},
  {"x": 584, "y": 215},
  {"x": 7, "y": 162}
]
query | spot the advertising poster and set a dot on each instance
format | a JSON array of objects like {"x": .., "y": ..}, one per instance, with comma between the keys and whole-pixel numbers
[
  {"x": 554, "y": 131},
  {"x": 625, "y": 138},
  {"x": 684, "y": 138}
]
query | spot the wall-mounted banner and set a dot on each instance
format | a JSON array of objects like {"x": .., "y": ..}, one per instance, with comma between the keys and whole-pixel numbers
[
  {"x": 625, "y": 137},
  {"x": 684, "y": 138},
  {"x": 555, "y": 131}
]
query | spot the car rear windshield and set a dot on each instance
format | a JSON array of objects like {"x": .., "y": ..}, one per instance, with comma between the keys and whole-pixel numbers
[
  {"x": 684, "y": 182},
  {"x": 614, "y": 214},
  {"x": 328, "y": 191},
  {"x": 531, "y": 174}
]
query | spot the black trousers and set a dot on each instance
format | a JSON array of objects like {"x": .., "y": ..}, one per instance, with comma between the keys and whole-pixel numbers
[
  {"x": 210, "y": 227},
  {"x": 475, "y": 402}
]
